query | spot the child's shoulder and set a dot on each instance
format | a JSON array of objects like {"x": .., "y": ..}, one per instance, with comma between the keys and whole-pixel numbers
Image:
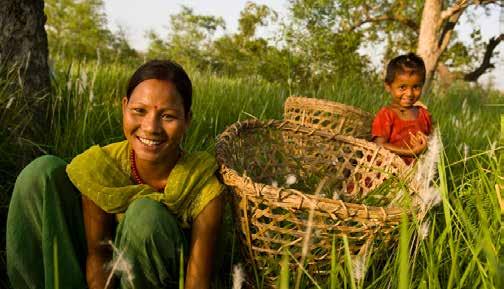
[
  {"x": 422, "y": 110},
  {"x": 386, "y": 111}
]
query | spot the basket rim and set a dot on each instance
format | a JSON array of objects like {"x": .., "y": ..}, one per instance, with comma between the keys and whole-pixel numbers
[
  {"x": 233, "y": 179},
  {"x": 326, "y": 104}
]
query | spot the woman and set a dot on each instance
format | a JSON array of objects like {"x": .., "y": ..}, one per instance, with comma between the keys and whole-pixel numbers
[{"x": 144, "y": 194}]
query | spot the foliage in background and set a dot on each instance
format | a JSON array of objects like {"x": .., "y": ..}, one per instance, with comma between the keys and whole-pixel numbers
[
  {"x": 396, "y": 24},
  {"x": 244, "y": 53},
  {"x": 308, "y": 52},
  {"x": 313, "y": 33},
  {"x": 188, "y": 40},
  {"x": 316, "y": 43},
  {"x": 77, "y": 29}
]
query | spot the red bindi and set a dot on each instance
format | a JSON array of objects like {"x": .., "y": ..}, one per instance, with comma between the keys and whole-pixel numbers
[{"x": 155, "y": 106}]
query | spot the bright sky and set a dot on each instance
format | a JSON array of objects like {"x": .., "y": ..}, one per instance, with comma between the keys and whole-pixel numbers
[{"x": 140, "y": 16}]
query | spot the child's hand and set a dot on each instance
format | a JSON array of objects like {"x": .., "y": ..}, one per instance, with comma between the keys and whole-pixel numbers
[{"x": 418, "y": 142}]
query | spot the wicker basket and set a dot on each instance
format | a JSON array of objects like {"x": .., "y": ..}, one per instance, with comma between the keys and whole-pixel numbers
[
  {"x": 257, "y": 157},
  {"x": 329, "y": 115}
]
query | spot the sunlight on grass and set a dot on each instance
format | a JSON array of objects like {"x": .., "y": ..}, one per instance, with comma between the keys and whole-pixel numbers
[{"x": 460, "y": 247}]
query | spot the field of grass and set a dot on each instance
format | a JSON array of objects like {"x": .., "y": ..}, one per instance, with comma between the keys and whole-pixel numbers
[{"x": 461, "y": 248}]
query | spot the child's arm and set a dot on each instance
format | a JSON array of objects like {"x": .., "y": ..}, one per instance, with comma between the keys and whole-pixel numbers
[{"x": 418, "y": 145}]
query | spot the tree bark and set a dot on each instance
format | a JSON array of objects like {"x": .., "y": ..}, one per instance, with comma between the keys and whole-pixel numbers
[
  {"x": 23, "y": 46},
  {"x": 23, "y": 42},
  {"x": 427, "y": 48},
  {"x": 23, "y": 62}
]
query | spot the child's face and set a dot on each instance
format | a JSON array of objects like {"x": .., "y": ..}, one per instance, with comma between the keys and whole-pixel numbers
[{"x": 405, "y": 89}]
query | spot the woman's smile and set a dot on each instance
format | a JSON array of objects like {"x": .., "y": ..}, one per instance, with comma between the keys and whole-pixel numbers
[
  {"x": 149, "y": 142},
  {"x": 154, "y": 121}
]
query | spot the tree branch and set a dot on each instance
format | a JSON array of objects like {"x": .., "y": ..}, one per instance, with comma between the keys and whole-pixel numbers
[
  {"x": 448, "y": 28},
  {"x": 486, "y": 64},
  {"x": 461, "y": 5},
  {"x": 369, "y": 20},
  {"x": 455, "y": 8},
  {"x": 451, "y": 17},
  {"x": 387, "y": 17}
]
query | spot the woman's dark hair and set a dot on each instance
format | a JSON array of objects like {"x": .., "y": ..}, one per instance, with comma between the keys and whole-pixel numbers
[
  {"x": 408, "y": 63},
  {"x": 164, "y": 70}
]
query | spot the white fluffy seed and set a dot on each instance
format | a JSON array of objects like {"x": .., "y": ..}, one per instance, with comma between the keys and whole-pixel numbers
[
  {"x": 290, "y": 179},
  {"x": 238, "y": 276}
]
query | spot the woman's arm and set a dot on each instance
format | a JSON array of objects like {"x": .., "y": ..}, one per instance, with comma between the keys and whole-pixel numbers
[
  {"x": 418, "y": 145},
  {"x": 99, "y": 227},
  {"x": 203, "y": 236}
]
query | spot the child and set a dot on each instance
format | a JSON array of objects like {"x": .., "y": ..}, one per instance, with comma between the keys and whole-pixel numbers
[{"x": 402, "y": 127}]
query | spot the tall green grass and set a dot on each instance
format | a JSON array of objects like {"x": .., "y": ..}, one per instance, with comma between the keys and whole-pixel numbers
[{"x": 461, "y": 247}]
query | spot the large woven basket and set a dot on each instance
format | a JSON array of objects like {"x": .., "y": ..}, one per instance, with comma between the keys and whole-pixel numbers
[
  {"x": 335, "y": 117},
  {"x": 280, "y": 173}
]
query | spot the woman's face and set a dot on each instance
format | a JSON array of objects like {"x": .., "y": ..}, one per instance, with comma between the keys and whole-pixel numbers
[{"x": 154, "y": 120}]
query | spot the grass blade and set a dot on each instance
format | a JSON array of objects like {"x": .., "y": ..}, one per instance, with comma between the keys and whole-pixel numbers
[
  {"x": 404, "y": 254},
  {"x": 284, "y": 272}
]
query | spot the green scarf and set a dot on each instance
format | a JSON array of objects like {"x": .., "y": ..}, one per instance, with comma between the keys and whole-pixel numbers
[{"x": 103, "y": 175}]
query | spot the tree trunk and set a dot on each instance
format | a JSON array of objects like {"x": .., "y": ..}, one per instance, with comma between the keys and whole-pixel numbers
[
  {"x": 428, "y": 38},
  {"x": 23, "y": 46},
  {"x": 445, "y": 76},
  {"x": 23, "y": 61},
  {"x": 23, "y": 42}
]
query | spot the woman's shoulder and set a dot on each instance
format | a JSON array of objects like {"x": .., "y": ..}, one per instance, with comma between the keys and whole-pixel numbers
[
  {"x": 118, "y": 149},
  {"x": 119, "y": 152},
  {"x": 113, "y": 149},
  {"x": 113, "y": 154}
]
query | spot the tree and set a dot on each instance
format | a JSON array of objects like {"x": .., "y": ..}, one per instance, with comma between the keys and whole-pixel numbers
[
  {"x": 25, "y": 83},
  {"x": 77, "y": 29},
  {"x": 252, "y": 16},
  {"x": 122, "y": 51},
  {"x": 314, "y": 33},
  {"x": 243, "y": 53},
  {"x": 431, "y": 23},
  {"x": 23, "y": 42},
  {"x": 436, "y": 28},
  {"x": 25, "y": 74},
  {"x": 189, "y": 38}
]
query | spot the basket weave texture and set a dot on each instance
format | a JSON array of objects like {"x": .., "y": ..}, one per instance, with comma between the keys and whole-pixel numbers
[
  {"x": 331, "y": 172},
  {"x": 328, "y": 115}
]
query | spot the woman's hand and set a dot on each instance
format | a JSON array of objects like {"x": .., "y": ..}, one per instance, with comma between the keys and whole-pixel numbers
[
  {"x": 99, "y": 228},
  {"x": 204, "y": 233}
]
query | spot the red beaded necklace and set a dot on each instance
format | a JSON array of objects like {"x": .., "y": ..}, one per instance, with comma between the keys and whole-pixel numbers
[{"x": 134, "y": 172}]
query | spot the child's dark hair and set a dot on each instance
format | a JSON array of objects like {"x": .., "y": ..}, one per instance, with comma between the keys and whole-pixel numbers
[
  {"x": 164, "y": 70},
  {"x": 408, "y": 63}
]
